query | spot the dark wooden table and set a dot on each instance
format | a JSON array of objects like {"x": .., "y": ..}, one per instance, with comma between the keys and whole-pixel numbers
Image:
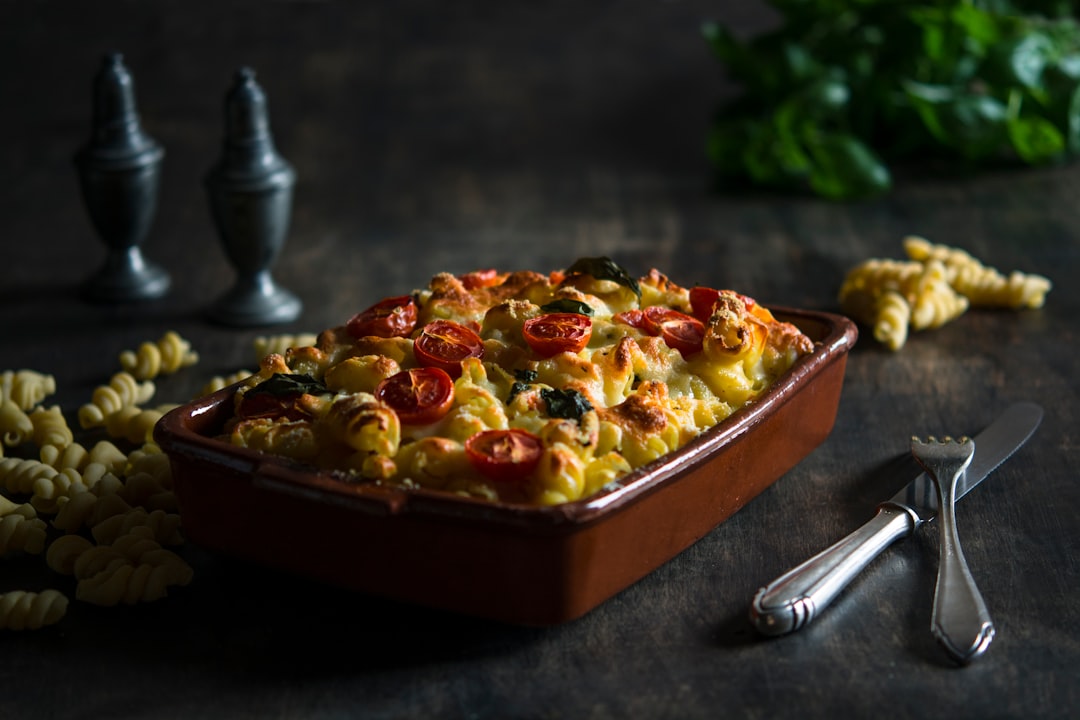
[{"x": 454, "y": 136}]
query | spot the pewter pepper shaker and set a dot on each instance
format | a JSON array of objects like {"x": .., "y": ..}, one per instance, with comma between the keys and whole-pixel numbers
[
  {"x": 119, "y": 169},
  {"x": 250, "y": 193}
]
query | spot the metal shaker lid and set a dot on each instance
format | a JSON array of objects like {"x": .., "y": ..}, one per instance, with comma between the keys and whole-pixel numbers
[{"x": 117, "y": 139}]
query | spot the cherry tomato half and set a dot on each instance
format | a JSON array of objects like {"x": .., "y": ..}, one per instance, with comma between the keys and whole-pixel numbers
[
  {"x": 679, "y": 330},
  {"x": 554, "y": 333},
  {"x": 446, "y": 344},
  {"x": 392, "y": 317},
  {"x": 633, "y": 318},
  {"x": 480, "y": 279},
  {"x": 504, "y": 455},
  {"x": 419, "y": 396},
  {"x": 703, "y": 298}
]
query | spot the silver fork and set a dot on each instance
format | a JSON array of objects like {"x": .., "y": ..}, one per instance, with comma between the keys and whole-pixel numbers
[{"x": 960, "y": 620}]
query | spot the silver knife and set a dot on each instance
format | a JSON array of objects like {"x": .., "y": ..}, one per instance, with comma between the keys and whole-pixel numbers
[{"x": 796, "y": 597}]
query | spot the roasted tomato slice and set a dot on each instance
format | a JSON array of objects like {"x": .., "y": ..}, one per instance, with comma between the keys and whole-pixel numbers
[
  {"x": 633, "y": 318},
  {"x": 554, "y": 333},
  {"x": 480, "y": 279},
  {"x": 702, "y": 300},
  {"x": 446, "y": 344},
  {"x": 392, "y": 317},
  {"x": 504, "y": 455},
  {"x": 679, "y": 330},
  {"x": 419, "y": 396}
]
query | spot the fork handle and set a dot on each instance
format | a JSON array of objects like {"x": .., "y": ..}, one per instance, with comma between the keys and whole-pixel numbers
[
  {"x": 794, "y": 599},
  {"x": 960, "y": 621}
]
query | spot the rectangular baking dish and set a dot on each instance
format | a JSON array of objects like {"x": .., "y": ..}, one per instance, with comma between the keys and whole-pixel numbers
[{"x": 512, "y": 563}]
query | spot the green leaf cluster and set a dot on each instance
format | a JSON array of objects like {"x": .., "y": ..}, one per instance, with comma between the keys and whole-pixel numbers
[{"x": 843, "y": 89}]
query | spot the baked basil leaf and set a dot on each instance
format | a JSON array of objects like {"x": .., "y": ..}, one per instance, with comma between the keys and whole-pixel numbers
[
  {"x": 287, "y": 384},
  {"x": 604, "y": 268},
  {"x": 523, "y": 379},
  {"x": 567, "y": 305},
  {"x": 566, "y": 404}
]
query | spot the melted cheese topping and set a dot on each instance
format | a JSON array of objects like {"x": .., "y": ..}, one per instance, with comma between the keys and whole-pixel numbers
[{"x": 647, "y": 398}]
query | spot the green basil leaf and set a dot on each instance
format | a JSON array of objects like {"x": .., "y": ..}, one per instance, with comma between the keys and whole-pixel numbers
[
  {"x": 566, "y": 404},
  {"x": 286, "y": 384},
  {"x": 567, "y": 305},
  {"x": 844, "y": 167},
  {"x": 604, "y": 268},
  {"x": 1035, "y": 139}
]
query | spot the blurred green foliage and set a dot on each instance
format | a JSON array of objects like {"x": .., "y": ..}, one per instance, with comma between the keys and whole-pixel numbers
[{"x": 844, "y": 88}]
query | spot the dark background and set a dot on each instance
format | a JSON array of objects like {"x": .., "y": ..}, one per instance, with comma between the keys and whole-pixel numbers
[{"x": 434, "y": 137}]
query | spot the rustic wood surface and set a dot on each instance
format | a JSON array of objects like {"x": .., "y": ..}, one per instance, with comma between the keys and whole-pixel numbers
[{"x": 454, "y": 136}]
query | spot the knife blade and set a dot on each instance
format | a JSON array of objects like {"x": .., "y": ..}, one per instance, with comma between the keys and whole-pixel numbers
[{"x": 794, "y": 599}]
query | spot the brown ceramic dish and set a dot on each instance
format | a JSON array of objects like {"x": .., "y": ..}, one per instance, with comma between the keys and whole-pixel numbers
[{"x": 513, "y": 563}]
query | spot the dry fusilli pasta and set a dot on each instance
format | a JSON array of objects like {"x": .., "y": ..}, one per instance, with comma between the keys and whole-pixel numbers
[
  {"x": 21, "y": 533},
  {"x": 20, "y": 610},
  {"x": 123, "y": 391},
  {"x": 937, "y": 284},
  {"x": 26, "y": 388},
  {"x": 15, "y": 425},
  {"x": 984, "y": 286},
  {"x": 50, "y": 427},
  {"x": 166, "y": 356}
]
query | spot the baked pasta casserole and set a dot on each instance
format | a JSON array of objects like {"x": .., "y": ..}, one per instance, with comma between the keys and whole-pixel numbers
[{"x": 516, "y": 386}]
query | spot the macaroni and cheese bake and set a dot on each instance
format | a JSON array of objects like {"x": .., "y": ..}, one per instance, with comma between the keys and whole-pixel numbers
[{"x": 516, "y": 386}]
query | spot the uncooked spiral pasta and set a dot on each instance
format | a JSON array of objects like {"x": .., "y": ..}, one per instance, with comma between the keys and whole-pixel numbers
[
  {"x": 891, "y": 320},
  {"x": 222, "y": 381},
  {"x": 64, "y": 551},
  {"x": 984, "y": 286},
  {"x": 19, "y": 533},
  {"x": 135, "y": 424},
  {"x": 165, "y": 527},
  {"x": 124, "y": 583},
  {"x": 18, "y": 475},
  {"x": 65, "y": 482},
  {"x": 165, "y": 356},
  {"x": 15, "y": 425},
  {"x": 270, "y": 344},
  {"x": 938, "y": 283},
  {"x": 109, "y": 510},
  {"x": 77, "y": 456},
  {"x": 50, "y": 427},
  {"x": 134, "y": 568},
  {"x": 26, "y": 388},
  {"x": 144, "y": 490},
  {"x": 71, "y": 515},
  {"x": 123, "y": 391},
  {"x": 935, "y": 302},
  {"x": 21, "y": 610}
]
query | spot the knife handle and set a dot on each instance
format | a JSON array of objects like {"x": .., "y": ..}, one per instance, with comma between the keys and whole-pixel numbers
[{"x": 794, "y": 599}]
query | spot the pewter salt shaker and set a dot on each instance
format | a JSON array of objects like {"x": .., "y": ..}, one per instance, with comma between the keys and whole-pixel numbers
[
  {"x": 250, "y": 192},
  {"x": 119, "y": 171}
]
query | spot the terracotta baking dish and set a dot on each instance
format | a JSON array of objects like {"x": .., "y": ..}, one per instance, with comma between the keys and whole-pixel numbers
[{"x": 513, "y": 563}]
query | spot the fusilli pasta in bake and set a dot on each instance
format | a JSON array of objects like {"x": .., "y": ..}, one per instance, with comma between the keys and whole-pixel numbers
[{"x": 516, "y": 386}]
